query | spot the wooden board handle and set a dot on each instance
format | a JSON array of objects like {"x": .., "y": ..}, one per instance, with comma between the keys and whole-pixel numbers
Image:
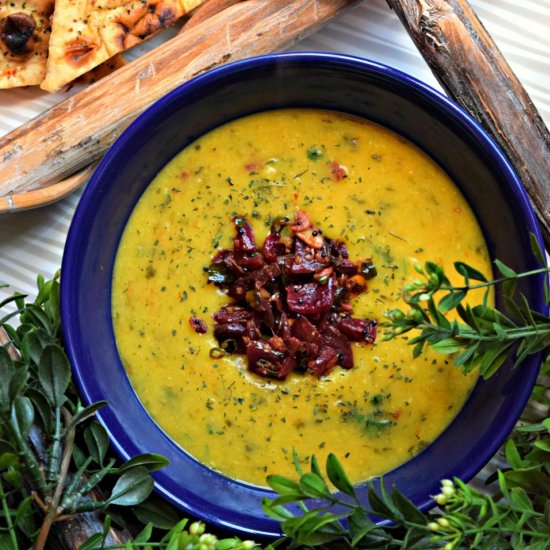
[
  {"x": 78, "y": 131},
  {"x": 475, "y": 74}
]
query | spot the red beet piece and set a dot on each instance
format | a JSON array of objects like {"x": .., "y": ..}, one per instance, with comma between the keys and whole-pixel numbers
[
  {"x": 323, "y": 363},
  {"x": 306, "y": 259},
  {"x": 249, "y": 261},
  {"x": 357, "y": 330},
  {"x": 244, "y": 240},
  {"x": 264, "y": 360},
  {"x": 311, "y": 298},
  {"x": 272, "y": 247},
  {"x": 334, "y": 339}
]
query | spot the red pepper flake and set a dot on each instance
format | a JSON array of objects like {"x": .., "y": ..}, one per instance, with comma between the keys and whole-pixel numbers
[
  {"x": 252, "y": 166},
  {"x": 198, "y": 325},
  {"x": 396, "y": 414},
  {"x": 338, "y": 171},
  {"x": 184, "y": 175}
]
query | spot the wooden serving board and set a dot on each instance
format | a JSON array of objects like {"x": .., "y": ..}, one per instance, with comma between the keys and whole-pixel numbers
[{"x": 35, "y": 157}]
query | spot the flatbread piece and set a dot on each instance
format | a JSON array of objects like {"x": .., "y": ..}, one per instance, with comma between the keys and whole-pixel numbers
[
  {"x": 24, "y": 36},
  {"x": 87, "y": 32}
]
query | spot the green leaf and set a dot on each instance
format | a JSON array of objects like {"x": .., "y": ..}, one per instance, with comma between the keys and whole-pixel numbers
[
  {"x": 14, "y": 478},
  {"x": 543, "y": 445},
  {"x": 313, "y": 486},
  {"x": 469, "y": 273},
  {"x": 493, "y": 359},
  {"x": 133, "y": 487},
  {"x": 282, "y": 485},
  {"x": 448, "y": 346},
  {"x": 145, "y": 534},
  {"x": 377, "y": 504},
  {"x": 37, "y": 317},
  {"x": 536, "y": 249},
  {"x": 6, "y": 543},
  {"x": 503, "y": 484},
  {"x": 315, "y": 469},
  {"x": 407, "y": 508},
  {"x": 97, "y": 441},
  {"x": 31, "y": 347},
  {"x": 521, "y": 500},
  {"x": 451, "y": 300},
  {"x": 338, "y": 477},
  {"x": 313, "y": 528},
  {"x": 22, "y": 416},
  {"x": 468, "y": 316},
  {"x": 42, "y": 407},
  {"x": 296, "y": 461},
  {"x": 8, "y": 458},
  {"x": 360, "y": 525},
  {"x": 512, "y": 455},
  {"x": 54, "y": 374},
  {"x": 418, "y": 348},
  {"x": 506, "y": 271},
  {"x": 149, "y": 461},
  {"x": 24, "y": 517},
  {"x": 157, "y": 512},
  {"x": 84, "y": 413},
  {"x": 279, "y": 513},
  {"x": 464, "y": 357},
  {"x": 18, "y": 382},
  {"x": 7, "y": 370},
  {"x": 95, "y": 542}
]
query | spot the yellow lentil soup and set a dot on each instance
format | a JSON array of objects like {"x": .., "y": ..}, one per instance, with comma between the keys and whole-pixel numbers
[{"x": 386, "y": 200}]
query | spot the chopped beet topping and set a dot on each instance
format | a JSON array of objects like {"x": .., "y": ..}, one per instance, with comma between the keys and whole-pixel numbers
[
  {"x": 291, "y": 308},
  {"x": 198, "y": 325}
]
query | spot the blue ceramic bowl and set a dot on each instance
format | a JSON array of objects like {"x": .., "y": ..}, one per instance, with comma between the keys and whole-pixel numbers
[{"x": 337, "y": 82}]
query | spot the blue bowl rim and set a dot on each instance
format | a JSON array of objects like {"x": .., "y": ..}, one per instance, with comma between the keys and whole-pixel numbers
[{"x": 155, "y": 110}]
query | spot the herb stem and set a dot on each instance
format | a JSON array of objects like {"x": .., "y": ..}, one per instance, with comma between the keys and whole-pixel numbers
[
  {"x": 53, "y": 505},
  {"x": 510, "y": 333},
  {"x": 495, "y": 282},
  {"x": 7, "y": 515}
]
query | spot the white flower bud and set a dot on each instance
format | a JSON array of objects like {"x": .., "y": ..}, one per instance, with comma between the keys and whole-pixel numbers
[
  {"x": 444, "y": 522},
  {"x": 196, "y": 528},
  {"x": 208, "y": 539}
]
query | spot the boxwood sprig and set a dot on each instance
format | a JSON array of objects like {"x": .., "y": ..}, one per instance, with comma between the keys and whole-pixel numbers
[
  {"x": 55, "y": 460},
  {"x": 479, "y": 335}
]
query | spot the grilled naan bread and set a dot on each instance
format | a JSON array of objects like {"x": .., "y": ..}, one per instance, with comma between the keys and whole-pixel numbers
[
  {"x": 24, "y": 37},
  {"x": 87, "y": 32}
]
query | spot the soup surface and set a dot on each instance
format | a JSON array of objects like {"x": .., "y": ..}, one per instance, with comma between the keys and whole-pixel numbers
[{"x": 361, "y": 184}]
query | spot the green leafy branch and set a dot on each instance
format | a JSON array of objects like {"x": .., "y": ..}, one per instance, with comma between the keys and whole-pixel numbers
[
  {"x": 466, "y": 518},
  {"x": 481, "y": 335},
  {"x": 55, "y": 462}
]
